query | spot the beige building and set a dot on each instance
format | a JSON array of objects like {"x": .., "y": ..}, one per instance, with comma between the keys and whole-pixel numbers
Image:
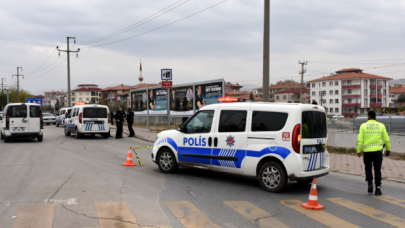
[
  {"x": 292, "y": 96},
  {"x": 85, "y": 93}
]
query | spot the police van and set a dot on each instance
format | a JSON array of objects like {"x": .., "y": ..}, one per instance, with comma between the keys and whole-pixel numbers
[
  {"x": 61, "y": 117},
  {"x": 21, "y": 120},
  {"x": 275, "y": 142},
  {"x": 88, "y": 119}
]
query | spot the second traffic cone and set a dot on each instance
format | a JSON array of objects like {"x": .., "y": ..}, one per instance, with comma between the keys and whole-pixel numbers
[
  {"x": 129, "y": 159},
  {"x": 313, "y": 199}
]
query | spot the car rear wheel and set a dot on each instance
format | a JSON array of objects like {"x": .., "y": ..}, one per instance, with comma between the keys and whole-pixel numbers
[
  {"x": 105, "y": 136},
  {"x": 54, "y": 123},
  {"x": 6, "y": 139},
  {"x": 67, "y": 133},
  {"x": 78, "y": 135},
  {"x": 167, "y": 161},
  {"x": 1, "y": 136},
  {"x": 47, "y": 124},
  {"x": 40, "y": 138},
  {"x": 272, "y": 177}
]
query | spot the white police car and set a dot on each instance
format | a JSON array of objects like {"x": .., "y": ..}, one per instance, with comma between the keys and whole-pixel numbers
[
  {"x": 276, "y": 142},
  {"x": 61, "y": 117},
  {"x": 88, "y": 119}
]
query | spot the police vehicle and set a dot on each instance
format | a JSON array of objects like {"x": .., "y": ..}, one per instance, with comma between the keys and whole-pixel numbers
[
  {"x": 61, "y": 117},
  {"x": 88, "y": 119},
  {"x": 21, "y": 120},
  {"x": 275, "y": 142}
]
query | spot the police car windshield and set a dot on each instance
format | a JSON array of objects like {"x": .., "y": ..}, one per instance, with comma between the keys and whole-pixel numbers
[
  {"x": 313, "y": 125},
  {"x": 94, "y": 112},
  {"x": 201, "y": 122}
]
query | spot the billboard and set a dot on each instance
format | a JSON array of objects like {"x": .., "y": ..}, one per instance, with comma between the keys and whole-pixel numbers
[
  {"x": 34, "y": 100},
  {"x": 157, "y": 101},
  {"x": 181, "y": 100},
  {"x": 206, "y": 94},
  {"x": 139, "y": 101}
]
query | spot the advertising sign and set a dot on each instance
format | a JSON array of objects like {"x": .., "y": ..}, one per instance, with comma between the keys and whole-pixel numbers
[
  {"x": 139, "y": 102},
  {"x": 181, "y": 101},
  {"x": 34, "y": 100},
  {"x": 157, "y": 101},
  {"x": 206, "y": 94}
]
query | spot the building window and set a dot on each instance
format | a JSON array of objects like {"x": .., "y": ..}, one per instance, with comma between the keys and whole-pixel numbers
[
  {"x": 336, "y": 83},
  {"x": 292, "y": 97},
  {"x": 88, "y": 93},
  {"x": 365, "y": 92},
  {"x": 365, "y": 82},
  {"x": 331, "y": 110},
  {"x": 385, "y": 92},
  {"x": 336, "y": 110},
  {"x": 330, "y": 83},
  {"x": 323, "y": 83},
  {"x": 73, "y": 99},
  {"x": 87, "y": 99},
  {"x": 349, "y": 91},
  {"x": 331, "y": 101},
  {"x": 313, "y": 85},
  {"x": 73, "y": 94},
  {"x": 336, "y": 92},
  {"x": 336, "y": 101},
  {"x": 349, "y": 82},
  {"x": 284, "y": 97},
  {"x": 80, "y": 93},
  {"x": 349, "y": 101},
  {"x": 385, "y": 83},
  {"x": 330, "y": 92},
  {"x": 313, "y": 93},
  {"x": 365, "y": 102},
  {"x": 278, "y": 97}
]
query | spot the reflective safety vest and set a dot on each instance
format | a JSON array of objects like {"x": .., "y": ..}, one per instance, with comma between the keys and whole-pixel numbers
[{"x": 371, "y": 135}]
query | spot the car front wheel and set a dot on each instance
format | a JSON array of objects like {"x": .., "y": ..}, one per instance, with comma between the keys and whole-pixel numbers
[
  {"x": 167, "y": 161},
  {"x": 272, "y": 177}
]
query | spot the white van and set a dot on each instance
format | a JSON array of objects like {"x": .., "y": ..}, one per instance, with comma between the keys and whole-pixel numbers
[
  {"x": 276, "y": 142},
  {"x": 88, "y": 119},
  {"x": 61, "y": 117},
  {"x": 22, "y": 120}
]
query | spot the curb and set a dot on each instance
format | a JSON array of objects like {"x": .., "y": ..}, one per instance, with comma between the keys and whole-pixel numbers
[{"x": 357, "y": 174}]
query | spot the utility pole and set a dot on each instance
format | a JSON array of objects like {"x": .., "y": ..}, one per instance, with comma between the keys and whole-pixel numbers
[
  {"x": 68, "y": 64},
  {"x": 321, "y": 93},
  {"x": 2, "y": 83},
  {"x": 302, "y": 77},
  {"x": 266, "y": 52},
  {"x": 18, "y": 75}
]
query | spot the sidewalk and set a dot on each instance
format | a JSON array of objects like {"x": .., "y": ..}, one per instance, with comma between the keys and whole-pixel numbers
[{"x": 393, "y": 170}]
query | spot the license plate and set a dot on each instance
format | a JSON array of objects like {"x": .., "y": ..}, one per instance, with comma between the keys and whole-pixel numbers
[
  {"x": 310, "y": 149},
  {"x": 89, "y": 122}
]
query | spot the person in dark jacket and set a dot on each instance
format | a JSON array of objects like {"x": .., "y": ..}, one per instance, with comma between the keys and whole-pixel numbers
[
  {"x": 119, "y": 117},
  {"x": 130, "y": 121},
  {"x": 112, "y": 117}
]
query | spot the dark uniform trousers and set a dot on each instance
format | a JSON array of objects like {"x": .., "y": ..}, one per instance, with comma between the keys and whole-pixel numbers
[
  {"x": 119, "y": 130},
  {"x": 131, "y": 130},
  {"x": 373, "y": 159}
]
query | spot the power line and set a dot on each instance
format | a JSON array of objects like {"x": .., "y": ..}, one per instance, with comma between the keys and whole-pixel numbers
[
  {"x": 48, "y": 65},
  {"x": 132, "y": 26},
  {"x": 49, "y": 70},
  {"x": 160, "y": 26},
  {"x": 42, "y": 64}
]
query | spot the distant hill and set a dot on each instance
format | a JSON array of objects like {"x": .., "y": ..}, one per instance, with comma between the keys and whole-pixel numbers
[{"x": 399, "y": 81}]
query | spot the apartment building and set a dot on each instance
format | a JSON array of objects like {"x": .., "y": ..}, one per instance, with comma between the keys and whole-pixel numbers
[
  {"x": 395, "y": 91},
  {"x": 292, "y": 95},
  {"x": 85, "y": 93},
  {"x": 350, "y": 92}
]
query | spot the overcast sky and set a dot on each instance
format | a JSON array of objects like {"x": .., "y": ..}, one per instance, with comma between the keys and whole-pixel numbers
[{"x": 225, "y": 41}]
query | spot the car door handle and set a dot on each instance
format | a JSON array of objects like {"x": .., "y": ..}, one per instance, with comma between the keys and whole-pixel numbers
[
  {"x": 215, "y": 141},
  {"x": 209, "y": 141}
]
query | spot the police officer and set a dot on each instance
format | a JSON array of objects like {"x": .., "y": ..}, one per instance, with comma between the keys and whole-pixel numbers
[
  {"x": 119, "y": 116},
  {"x": 130, "y": 121},
  {"x": 370, "y": 138},
  {"x": 112, "y": 117}
]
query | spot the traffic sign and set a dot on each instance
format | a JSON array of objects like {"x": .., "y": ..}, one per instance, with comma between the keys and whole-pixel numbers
[
  {"x": 167, "y": 84},
  {"x": 167, "y": 74}
]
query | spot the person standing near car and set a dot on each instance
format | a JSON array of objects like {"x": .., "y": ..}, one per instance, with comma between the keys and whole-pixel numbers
[
  {"x": 119, "y": 117},
  {"x": 370, "y": 139},
  {"x": 130, "y": 121},
  {"x": 112, "y": 117}
]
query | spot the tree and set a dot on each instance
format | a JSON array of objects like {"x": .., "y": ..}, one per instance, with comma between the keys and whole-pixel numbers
[
  {"x": 93, "y": 100},
  {"x": 401, "y": 98},
  {"x": 23, "y": 94},
  {"x": 251, "y": 97},
  {"x": 3, "y": 99},
  {"x": 57, "y": 105}
]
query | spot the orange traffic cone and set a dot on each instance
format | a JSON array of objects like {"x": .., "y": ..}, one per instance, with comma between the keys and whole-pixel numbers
[
  {"x": 313, "y": 199},
  {"x": 129, "y": 159}
]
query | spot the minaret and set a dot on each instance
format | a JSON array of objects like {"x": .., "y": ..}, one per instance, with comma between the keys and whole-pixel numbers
[{"x": 140, "y": 74}]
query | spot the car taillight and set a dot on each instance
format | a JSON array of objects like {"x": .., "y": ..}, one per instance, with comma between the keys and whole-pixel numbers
[
  {"x": 41, "y": 119},
  {"x": 109, "y": 118},
  {"x": 296, "y": 138},
  {"x": 80, "y": 117}
]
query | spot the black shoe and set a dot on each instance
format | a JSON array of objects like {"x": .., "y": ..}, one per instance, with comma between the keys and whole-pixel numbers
[
  {"x": 131, "y": 136},
  {"x": 121, "y": 137},
  {"x": 370, "y": 188},
  {"x": 378, "y": 191},
  {"x": 118, "y": 137}
]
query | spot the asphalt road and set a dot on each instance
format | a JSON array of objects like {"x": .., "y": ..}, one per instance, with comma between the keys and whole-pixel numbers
[{"x": 68, "y": 182}]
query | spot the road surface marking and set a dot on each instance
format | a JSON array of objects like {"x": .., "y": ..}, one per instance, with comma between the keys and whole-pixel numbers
[
  {"x": 390, "y": 199},
  {"x": 71, "y": 201},
  {"x": 189, "y": 215},
  {"x": 34, "y": 216},
  {"x": 115, "y": 215},
  {"x": 256, "y": 215},
  {"x": 319, "y": 216},
  {"x": 371, "y": 212}
]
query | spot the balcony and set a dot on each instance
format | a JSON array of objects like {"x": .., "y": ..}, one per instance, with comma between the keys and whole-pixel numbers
[
  {"x": 376, "y": 86},
  {"x": 346, "y": 86},
  {"x": 347, "y": 95},
  {"x": 351, "y": 105},
  {"x": 375, "y": 104}
]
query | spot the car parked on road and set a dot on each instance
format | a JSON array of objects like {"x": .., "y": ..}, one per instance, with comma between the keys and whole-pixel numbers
[
  {"x": 49, "y": 118},
  {"x": 273, "y": 141},
  {"x": 22, "y": 120},
  {"x": 338, "y": 117},
  {"x": 88, "y": 119},
  {"x": 61, "y": 116}
]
